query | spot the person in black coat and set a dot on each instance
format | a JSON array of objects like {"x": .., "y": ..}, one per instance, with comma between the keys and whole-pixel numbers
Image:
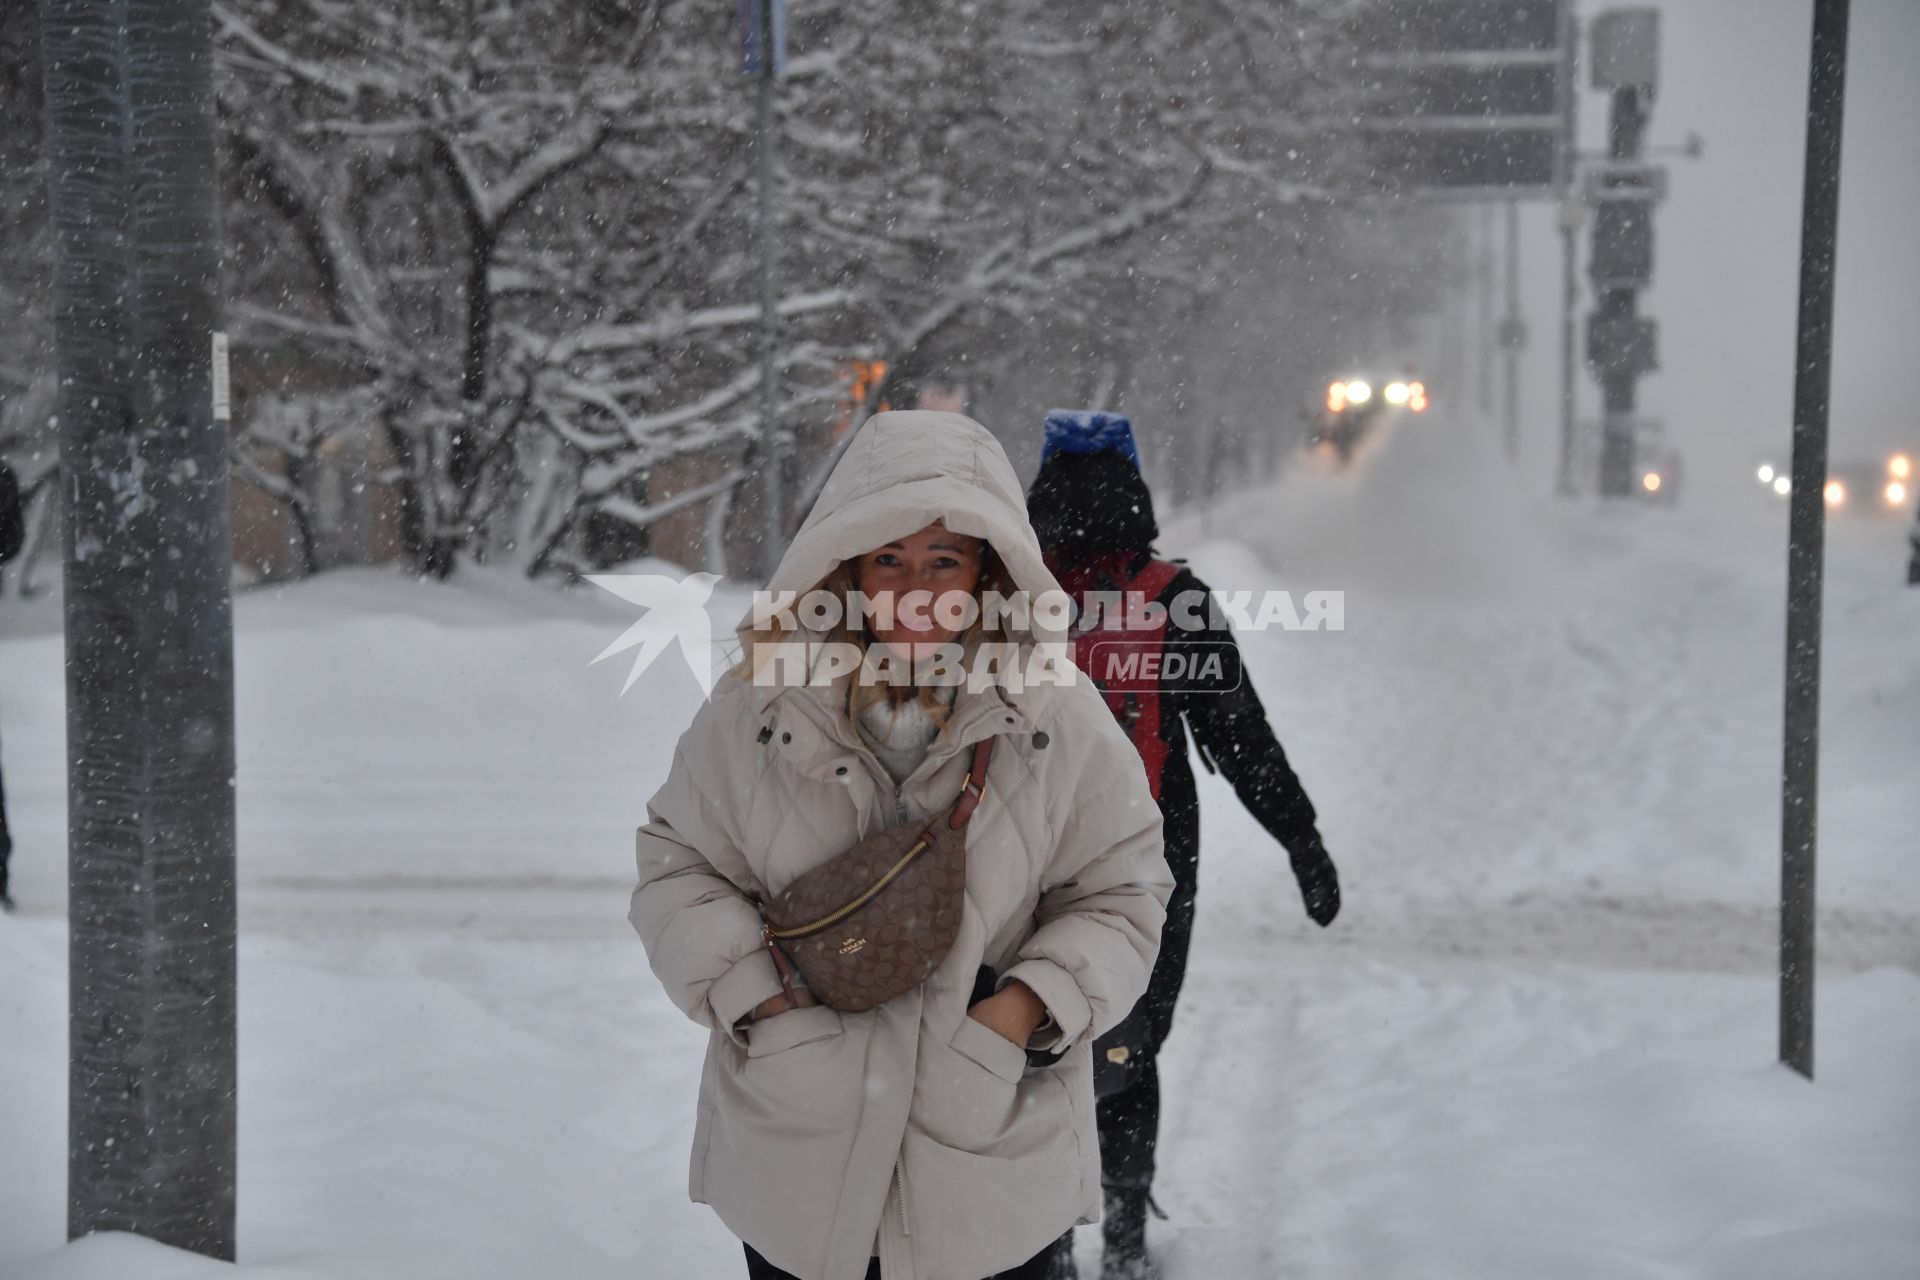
[
  {"x": 1089, "y": 503},
  {"x": 12, "y": 537},
  {"x": 1913, "y": 540}
]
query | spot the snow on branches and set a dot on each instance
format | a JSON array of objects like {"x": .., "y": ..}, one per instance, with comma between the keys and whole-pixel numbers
[{"x": 505, "y": 254}]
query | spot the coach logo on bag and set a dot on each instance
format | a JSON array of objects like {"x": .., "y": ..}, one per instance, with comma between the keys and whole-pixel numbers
[{"x": 852, "y": 946}]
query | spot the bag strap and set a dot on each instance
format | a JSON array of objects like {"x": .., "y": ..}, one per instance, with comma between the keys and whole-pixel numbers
[
  {"x": 790, "y": 979},
  {"x": 973, "y": 788}
]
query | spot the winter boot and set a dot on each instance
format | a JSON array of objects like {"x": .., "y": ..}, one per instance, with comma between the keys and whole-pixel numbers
[{"x": 1123, "y": 1229}]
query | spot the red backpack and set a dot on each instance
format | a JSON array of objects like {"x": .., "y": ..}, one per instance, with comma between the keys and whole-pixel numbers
[{"x": 1121, "y": 649}]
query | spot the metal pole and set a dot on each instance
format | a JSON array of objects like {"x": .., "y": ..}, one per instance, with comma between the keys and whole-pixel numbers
[
  {"x": 1569, "y": 301},
  {"x": 1209, "y": 462},
  {"x": 148, "y": 620},
  {"x": 1511, "y": 429},
  {"x": 773, "y": 454},
  {"x": 1800, "y": 770},
  {"x": 1454, "y": 358},
  {"x": 1569, "y": 258},
  {"x": 1489, "y": 334}
]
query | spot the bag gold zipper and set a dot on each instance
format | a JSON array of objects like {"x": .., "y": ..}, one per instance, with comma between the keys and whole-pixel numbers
[
  {"x": 873, "y": 891},
  {"x": 967, "y": 784}
]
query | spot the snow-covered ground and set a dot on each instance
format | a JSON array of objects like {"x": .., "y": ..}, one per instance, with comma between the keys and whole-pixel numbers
[{"x": 1538, "y": 1042}]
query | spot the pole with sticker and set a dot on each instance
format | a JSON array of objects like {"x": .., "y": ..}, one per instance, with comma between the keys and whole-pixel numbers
[{"x": 143, "y": 398}]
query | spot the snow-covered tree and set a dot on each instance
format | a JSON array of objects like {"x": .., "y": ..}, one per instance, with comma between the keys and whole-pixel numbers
[{"x": 501, "y": 257}]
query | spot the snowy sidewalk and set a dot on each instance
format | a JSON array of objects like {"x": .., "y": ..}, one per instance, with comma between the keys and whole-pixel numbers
[{"x": 1538, "y": 1043}]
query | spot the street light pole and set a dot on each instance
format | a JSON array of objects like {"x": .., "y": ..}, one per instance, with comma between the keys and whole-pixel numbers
[
  {"x": 1484, "y": 324},
  {"x": 1569, "y": 301},
  {"x": 148, "y": 620},
  {"x": 1571, "y": 215},
  {"x": 1806, "y": 549},
  {"x": 1513, "y": 335},
  {"x": 773, "y": 459}
]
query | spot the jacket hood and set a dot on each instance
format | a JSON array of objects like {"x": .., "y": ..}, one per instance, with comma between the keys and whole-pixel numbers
[{"x": 903, "y": 471}]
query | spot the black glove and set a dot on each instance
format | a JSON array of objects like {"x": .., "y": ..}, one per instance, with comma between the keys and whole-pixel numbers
[{"x": 1319, "y": 883}]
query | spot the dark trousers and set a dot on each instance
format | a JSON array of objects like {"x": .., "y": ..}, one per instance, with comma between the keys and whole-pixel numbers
[
  {"x": 1130, "y": 1119},
  {"x": 6, "y": 841},
  {"x": 1039, "y": 1267},
  {"x": 1129, "y": 1132}
]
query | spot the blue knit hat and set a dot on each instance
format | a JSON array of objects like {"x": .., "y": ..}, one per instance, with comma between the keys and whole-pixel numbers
[{"x": 1088, "y": 431}]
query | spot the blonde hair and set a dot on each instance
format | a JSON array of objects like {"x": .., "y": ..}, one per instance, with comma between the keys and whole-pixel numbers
[{"x": 758, "y": 644}]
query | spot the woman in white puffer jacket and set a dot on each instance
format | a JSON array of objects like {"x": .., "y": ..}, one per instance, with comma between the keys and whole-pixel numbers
[{"x": 947, "y": 1134}]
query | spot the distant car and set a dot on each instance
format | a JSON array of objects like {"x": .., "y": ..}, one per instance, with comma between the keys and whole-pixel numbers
[
  {"x": 1853, "y": 487},
  {"x": 1354, "y": 404}
]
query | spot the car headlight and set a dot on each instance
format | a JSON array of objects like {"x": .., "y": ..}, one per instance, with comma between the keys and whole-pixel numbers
[
  {"x": 1650, "y": 482},
  {"x": 1900, "y": 466},
  {"x": 1766, "y": 473},
  {"x": 1896, "y": 494},
  {"x": 1398, "y": 393},
  {"x": 1359, "y": 392},
  {"x": 1835, "y": 494},
  {"x": 1782, "y": 485}
]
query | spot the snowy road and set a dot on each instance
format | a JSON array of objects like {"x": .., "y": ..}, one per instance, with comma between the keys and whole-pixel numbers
[{"x": 1537, "y": 1042}]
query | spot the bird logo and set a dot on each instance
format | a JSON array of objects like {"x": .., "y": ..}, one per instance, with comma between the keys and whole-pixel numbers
[{"x": 676, "y": 613}]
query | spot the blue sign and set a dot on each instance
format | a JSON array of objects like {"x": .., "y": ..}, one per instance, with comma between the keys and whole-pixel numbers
[{"x": 753, "y": 26}]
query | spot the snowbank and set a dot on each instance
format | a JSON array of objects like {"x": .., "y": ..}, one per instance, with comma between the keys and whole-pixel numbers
[{"x": 1538, "y": 1042}]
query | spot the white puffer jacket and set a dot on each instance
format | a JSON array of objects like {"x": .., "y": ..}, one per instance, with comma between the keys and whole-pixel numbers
[{"x": 913, "y": 1125}]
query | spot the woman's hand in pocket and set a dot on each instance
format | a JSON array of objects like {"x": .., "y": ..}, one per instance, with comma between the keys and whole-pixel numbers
[{"x": 1013, "y": 1013}]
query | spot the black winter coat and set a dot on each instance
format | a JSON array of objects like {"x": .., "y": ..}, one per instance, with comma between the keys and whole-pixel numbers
[
  {"x": 1229, "y": 727},
  {"x": 1088, "y": 504},
  {"x": 13, "y": 528}
]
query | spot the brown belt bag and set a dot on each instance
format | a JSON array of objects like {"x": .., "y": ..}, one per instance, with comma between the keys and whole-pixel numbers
[{"x": 877, "y": 920}]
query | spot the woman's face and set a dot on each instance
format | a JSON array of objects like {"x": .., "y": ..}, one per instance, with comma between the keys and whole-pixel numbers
[{"x": 916, "y": 582}]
